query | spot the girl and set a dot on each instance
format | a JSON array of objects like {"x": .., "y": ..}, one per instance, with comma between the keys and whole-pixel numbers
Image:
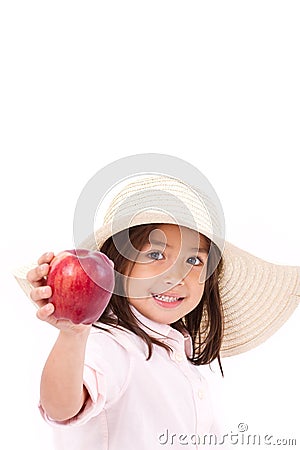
[{"x": 181, "y": 300}]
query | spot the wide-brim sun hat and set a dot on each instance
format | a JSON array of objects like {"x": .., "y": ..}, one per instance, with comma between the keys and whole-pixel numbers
[{"x": 257, "y": 296}]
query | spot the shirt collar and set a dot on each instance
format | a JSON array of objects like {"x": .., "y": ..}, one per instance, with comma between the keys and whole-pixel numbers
[
  {"x": 161, "y": 330},
  {"x": 151, "y": 325}
]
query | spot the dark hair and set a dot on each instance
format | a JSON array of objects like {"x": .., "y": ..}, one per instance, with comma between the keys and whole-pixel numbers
[{"x": 204, "y": 323}]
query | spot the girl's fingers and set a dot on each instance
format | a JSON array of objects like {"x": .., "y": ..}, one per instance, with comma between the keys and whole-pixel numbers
[
  {"x": 46, "y": 258},
  {"x": 36, "y": 276},
  {"x": 40, "y": 293},
  {"x": 45, "y": 311}
]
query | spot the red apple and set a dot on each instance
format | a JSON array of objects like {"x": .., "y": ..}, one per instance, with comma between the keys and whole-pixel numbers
[{"x": 82, "y": 282}]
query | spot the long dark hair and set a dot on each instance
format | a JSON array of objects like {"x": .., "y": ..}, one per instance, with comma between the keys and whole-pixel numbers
[{"x": 204, "y": 323}]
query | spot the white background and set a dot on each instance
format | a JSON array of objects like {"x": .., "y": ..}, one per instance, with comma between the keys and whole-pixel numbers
[{"x": 85, "y": 83}]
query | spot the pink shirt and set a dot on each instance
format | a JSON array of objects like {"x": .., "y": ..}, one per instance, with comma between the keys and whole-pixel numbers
[{"x": 137, "y": 404}]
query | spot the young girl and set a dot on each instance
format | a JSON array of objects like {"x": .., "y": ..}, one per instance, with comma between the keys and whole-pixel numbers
[{"x": 132, "y": 380}]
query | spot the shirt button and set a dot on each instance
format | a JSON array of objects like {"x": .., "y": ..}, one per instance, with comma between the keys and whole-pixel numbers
[
  {"x": 200, "y": 394},
  {"x": 178, "y": 357}
]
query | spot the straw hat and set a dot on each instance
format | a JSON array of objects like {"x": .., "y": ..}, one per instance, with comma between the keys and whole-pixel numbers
[{"x": 257, "y": 296}]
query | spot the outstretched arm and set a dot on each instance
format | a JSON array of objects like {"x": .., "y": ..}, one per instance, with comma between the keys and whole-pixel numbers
[{"x": 62, "y": 391}]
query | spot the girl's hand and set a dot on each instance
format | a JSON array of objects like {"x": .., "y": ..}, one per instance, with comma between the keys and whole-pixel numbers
[{"x": 40, "y": 294}]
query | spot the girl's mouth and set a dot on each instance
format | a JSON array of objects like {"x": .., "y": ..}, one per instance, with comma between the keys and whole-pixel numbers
[{"x": 167, "y": 301}]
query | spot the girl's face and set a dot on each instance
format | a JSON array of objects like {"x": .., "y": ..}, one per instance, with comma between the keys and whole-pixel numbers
[{"x": 167, "y": 280}]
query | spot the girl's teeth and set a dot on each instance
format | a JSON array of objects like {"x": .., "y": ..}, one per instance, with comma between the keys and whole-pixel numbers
[{"x": 165, "y": 298}]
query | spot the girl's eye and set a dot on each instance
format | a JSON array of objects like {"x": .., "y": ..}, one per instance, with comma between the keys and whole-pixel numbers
[
  {"x": 155, "y": 255},
  {"x": 194, "y": 260}
]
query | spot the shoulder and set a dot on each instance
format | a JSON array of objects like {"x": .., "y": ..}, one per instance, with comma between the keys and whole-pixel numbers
[
  {"x": 105, "y": 340},
  {"x": 110, "y": 344},
  {"x": 104, "y": 337}
]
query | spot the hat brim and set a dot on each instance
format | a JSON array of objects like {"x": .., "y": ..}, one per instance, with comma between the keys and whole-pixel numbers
[{"x": 257, "y": 300}]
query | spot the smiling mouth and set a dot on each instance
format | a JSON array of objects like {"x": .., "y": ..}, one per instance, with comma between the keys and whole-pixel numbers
[{"x": 167, "y": 298}]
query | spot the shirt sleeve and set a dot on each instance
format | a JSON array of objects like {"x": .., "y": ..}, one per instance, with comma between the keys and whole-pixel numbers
[{"x": 105, "y": 376}]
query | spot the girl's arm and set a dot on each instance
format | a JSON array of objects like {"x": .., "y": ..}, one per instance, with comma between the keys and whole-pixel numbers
[{"x": 62, "y": 393}]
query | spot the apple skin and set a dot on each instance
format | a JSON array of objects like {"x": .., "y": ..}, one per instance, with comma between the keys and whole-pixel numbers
[{"x": 80, "y": 294}]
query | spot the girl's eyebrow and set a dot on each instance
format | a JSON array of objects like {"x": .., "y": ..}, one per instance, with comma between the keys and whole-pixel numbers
[
  {"x": 200, "y": 250},
  {"x": 165, "y": 244},
  {"x": 162, "y": 244}
]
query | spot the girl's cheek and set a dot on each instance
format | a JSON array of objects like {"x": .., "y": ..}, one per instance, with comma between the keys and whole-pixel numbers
[
  {"x": 139, "y": 287},
  {"x": 197, "y": 276},
  {"x": 202, "y": 276}
]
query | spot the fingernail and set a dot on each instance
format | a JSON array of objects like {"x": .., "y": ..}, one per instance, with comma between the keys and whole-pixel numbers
[
  {"x": 45, "y": 290},
  {"x": 48, "y": 307}
]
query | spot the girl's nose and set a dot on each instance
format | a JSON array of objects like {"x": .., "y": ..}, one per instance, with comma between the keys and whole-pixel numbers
[
  {"x": 175, "y": 275},
  {"x": 175, "y": 282}
]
